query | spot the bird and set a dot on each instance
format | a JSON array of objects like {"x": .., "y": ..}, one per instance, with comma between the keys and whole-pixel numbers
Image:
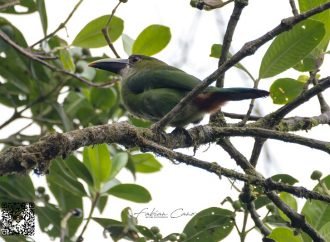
[{"x": 150, "y": 88}]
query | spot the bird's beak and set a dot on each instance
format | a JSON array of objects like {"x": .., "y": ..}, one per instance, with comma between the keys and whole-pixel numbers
[{"x": 113, "y": 65}]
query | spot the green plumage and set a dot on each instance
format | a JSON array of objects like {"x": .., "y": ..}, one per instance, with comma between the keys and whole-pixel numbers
[{"x": 151, "y": 88}]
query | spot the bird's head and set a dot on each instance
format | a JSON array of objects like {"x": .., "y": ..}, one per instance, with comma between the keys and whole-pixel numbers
[{"x": 123, "y": 66}]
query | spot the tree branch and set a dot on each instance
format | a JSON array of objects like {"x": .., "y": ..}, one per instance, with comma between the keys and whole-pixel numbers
[{"x": 38, "y": 155}]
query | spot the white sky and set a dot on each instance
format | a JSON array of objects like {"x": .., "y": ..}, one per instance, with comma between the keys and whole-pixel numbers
[{"x": 180, "y": 186}]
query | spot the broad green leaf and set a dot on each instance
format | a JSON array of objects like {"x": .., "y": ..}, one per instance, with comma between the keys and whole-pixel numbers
[
  {"x": 66, "y": 121},
  {"x": 43, "y": 15},
  {"x": 49, "y": 219},
  {"x": 290, "y": 47},
  {"x": 152, "y": 40},
  {"x": 106, "y": 222},
  {"x": 309, "y": 63},
  {"x": 26, "y": 6},
  {"x": 101, "y": 203},
  {"x": 15, "y": 188},
  {"x": 79, "y": 169},
  {"x": 139, "y": 122},
  {"x": 119, "y": 162},
  {"x": 290, "y": 201},
  {"x": 317, "y": 213},
  {"x": 61, "y": 175},
  {"x": 145, "y": 163},
  {"x": 103, "y": 98},
  {"x": 211, "y": 225},
  {"x": 284, "y": 90},
  {"x": 91, "y": 36},
  {"x": 324, "y": 17},
  {"x": 284, "y": 178},
  {"x": 109, "y": 184},
  {"x": 131, "y": 192},
  {"x": 67, "y": 60},
  {"x": 77, "y": 106},
  {"x": 97, "y": 160},
  {"x": 66, "y": 202},
  {"x": 216, "y": 53},
  {"x": 127, "y": 43},
  {"x": 261, "y": 201},
  {"x": 284, "y": 235},
  {"x": 325, "y": 231}
]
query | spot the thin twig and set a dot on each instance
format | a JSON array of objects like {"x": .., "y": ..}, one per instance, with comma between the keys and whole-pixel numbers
[
  {"x": 248, "y": 200},
  {"x": 228, "y": 37},
  {"x": 61, "y": 26},
  {"x": 91, "y": 211},
  {"x": 106, "y": 33},
  {"x": 323, "y": 104},
  {"x": 293, "y": 7},
  {"x": 9, "y": 4}
]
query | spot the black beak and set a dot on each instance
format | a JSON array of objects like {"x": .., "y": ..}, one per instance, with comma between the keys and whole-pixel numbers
[{"x": 113, "y": 65}]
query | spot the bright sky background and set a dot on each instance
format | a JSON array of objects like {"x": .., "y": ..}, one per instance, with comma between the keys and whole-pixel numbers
[{"x": 180, "y": 186}]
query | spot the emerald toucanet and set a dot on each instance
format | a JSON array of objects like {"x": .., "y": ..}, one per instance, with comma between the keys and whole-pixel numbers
[{"x": 151, "y": 88}]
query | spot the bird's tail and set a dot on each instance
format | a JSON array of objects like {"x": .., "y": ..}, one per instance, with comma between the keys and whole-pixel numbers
[
  {"x": 240, "y": 93},
  {"x": 213, "y": 99}
]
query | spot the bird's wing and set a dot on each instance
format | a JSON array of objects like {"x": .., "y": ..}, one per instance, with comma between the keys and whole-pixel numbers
[{"x": 171, "y": 78}]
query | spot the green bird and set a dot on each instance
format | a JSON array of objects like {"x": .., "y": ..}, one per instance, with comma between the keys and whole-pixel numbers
[{"x": 150, "y": 88}]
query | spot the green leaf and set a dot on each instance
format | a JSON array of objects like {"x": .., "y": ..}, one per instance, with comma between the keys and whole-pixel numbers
[
  {"x": 284, "y": 90},
  {"x": 284, "y": 235},
  {"x": 49, "y": 218},
  {"x": 131, "y": 192},
  {"x": 67, "y": 122},
  {"x": 15, "y": 188},
  {"x": 152, "y": 40},
  {"x": 145, "y": 163},
  {"x": 103, "y": 98},
  {"x": 284, "y": 178},
  {"x": 127, "y": 43},
  {"x": 101, "y": 203},
  {"x": 211, "y": 225},
  {"x": 290, "y": 201},
  {"x": 216, "y": 53},
  {"x": 290, "y": 47},
  {"x": 106, "y": 222},
  {"x": 91, "y": 36},
  {"x": 26, "y": 6},
  {"x": 67, "y": 60},
  {"x": 139, "y": 122},
  {"x": 261, "y": 201},
  {"x": 309, "y": 63},
  {"x": 61, "y": 176},
  {"x": 97, "y": 160},
  {"x": 317, "y": 213},
  {"x": 79, "y": 169},
  {"x": 119, "y": 162},
  {"x": 43, "y": 15},
  {"x": 325, "y": 231}
]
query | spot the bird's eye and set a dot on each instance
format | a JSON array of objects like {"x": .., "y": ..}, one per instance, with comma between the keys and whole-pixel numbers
[{"x": 134, "y": 59}]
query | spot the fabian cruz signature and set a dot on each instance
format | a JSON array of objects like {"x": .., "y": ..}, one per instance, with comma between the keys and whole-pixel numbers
[{"x": 155, "y": 213}]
